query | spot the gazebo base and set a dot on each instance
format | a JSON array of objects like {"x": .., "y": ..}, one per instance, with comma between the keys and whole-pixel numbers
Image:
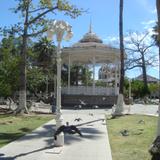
[{"x": 88, "y": 101}]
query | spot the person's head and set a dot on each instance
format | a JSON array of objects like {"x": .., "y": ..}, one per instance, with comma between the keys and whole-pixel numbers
[{"x": 67, "y": 123}]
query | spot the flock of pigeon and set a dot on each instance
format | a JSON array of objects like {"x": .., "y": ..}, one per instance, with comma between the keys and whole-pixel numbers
[{"x": 83, "y": 104}]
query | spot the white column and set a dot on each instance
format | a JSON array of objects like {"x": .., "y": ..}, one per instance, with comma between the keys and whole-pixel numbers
[
  {"x": 58, "y": 98},
  {"x": 86, "y": 76},
  {"x": 94, "y": 62},
  {"x": 59, "y": 28},
  {"x": 69, "y": 73}
]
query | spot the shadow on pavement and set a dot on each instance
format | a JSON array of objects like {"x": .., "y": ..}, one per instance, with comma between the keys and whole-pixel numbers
[
  {"x": 87, "y": 132},
  {"x": 47, "y": 133},
  {"x": 24, "y": 154}
]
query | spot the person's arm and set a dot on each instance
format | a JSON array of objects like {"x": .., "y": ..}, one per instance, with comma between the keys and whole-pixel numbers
[{"x": 59, "y": 130}]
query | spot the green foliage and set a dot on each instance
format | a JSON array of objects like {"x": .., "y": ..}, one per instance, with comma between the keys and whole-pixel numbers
[
  {"x": 34, "y": 14},
  {"x": 43, "y": 58},
  {"x": 39, "y": 65},
  {"x": 46, "y": 3},
  {"x": 9, "y": 64},
  {"x": 44, "y": 53},
  {"x": 70, "y": 10},
  {"x": 86, "y": 76},
  {"x": 35, "y": 80},
  {"x": 126, "y": 87},
  {"x": 79, "y": 73},
  {"x": 138, "y": 89},
  {"x": 153, "y": 87},
  {"x": 101, "y": 83}
]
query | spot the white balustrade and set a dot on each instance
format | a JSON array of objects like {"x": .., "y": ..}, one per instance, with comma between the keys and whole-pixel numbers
[{"x": 83, "y": 90}]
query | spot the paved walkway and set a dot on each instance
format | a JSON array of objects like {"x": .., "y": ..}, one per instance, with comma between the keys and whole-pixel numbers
[{"x": 38, "y": 145}]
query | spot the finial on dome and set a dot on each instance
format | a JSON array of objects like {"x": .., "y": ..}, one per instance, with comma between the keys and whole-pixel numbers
[{"x": 90, "y": 26}]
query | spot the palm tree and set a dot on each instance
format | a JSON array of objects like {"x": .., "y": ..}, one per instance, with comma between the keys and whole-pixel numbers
[
  {"x": 158, "y": 16},
  {"x": 121, "y": 46},
  {"x": 119, "y": 107}
]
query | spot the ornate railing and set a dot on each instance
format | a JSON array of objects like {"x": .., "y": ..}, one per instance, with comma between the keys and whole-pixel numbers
[{"x": 89, "y": 90}]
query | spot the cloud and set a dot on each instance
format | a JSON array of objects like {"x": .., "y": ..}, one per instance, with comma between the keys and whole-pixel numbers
[
  {"x": 154, "y": 11},
  {"x": 112, "y": 40},
  {"x": 148, "y": 24}
]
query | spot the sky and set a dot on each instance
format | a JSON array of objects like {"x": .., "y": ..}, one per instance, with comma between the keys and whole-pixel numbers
[{"x": 139, "y": 15}]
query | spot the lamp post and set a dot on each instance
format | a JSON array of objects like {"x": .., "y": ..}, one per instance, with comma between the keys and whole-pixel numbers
[{"x": 62, "y": 30}]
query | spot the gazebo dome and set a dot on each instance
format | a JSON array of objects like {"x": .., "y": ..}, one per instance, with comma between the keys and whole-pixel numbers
[{"x": 90, "y": 37}]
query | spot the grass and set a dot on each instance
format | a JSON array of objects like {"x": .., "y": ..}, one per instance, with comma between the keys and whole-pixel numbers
[
  {"x": 13, "y": 127},
  {"x": 141, "y": 133}
]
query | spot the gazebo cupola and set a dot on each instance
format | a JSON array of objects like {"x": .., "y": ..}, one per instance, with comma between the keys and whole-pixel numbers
[{"x": 90, "y": 37}]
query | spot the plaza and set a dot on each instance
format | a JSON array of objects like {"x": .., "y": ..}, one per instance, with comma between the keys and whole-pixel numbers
[{"x": 79, "y": 80}]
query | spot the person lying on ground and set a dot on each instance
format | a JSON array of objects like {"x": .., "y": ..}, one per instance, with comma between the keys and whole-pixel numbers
[{"x": 70, "y": 129}]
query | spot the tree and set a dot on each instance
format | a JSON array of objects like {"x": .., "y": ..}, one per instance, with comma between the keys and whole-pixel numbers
[
  {"x": 9, "y": 61},
  {"x": 34, "y": 23},
  {"x": 44, "y": 57},
  {"x": 137, "y": 89},
  {"x": 79, "y": 73},
  {"x": 158, "y": 17},
  {"x": 121, "y": 47},
  {"x": 35, "y": 80},
  {"x": 44, "y": 53},
  {"x": 119, "y": 107},
  {"x": 138, "y": 47}
]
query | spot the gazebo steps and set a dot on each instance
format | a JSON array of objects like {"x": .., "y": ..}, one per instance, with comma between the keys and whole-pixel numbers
[{"x": 88, "y": 101}]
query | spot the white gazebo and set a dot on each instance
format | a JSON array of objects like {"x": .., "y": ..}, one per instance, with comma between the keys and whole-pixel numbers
[{"x": 91, "y": 50}]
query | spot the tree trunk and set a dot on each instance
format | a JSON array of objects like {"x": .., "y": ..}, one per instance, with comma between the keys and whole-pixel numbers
[
  {"x": 144, "y": 75},
  {"x": 120, "y": 101},
  {"x": 22, "y": 92},
  {"x": 158, "y": 16},
  {"x": 121, "y": 47}
]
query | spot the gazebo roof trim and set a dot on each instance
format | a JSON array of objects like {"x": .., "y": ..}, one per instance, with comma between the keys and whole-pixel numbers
[{"x": 90, "y": 45}]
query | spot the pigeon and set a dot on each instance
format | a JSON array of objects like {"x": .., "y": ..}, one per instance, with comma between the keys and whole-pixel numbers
[
  {"x": 91, "y": 114},
  {"x": 82, "y": 102},
  {"x": 77, "y": 106},
  {"x": 124, "y": 132},
  {"x": 78, "y": 119},
  {"x": 95, "y": 107},
  {"x": 141, "y": 122}
]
